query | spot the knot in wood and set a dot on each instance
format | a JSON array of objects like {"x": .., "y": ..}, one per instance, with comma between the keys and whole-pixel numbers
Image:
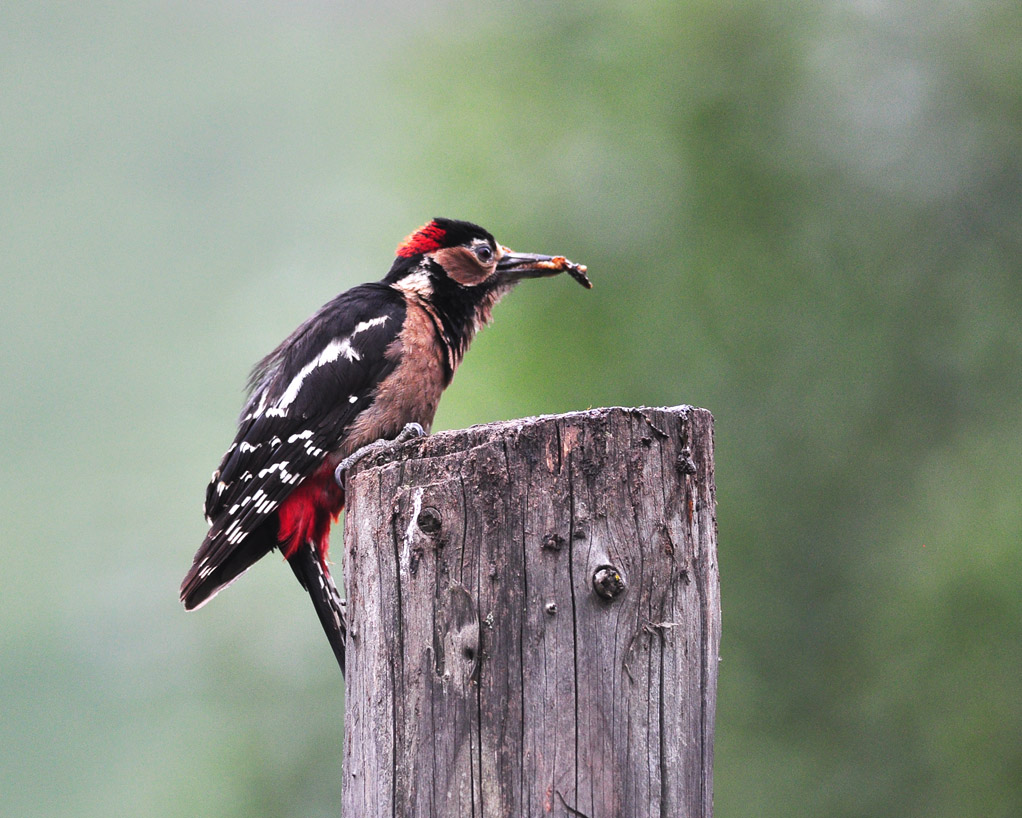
[
  {"x": 429, "y": 521},
  {"x": 608, "y": 582},
  {"x": 685, "y": 463},
  {"x": 553, "y": 542}
]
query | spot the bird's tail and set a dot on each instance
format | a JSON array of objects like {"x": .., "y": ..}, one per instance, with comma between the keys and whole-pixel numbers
[
  {"x": 314, "y": 576},
  {"x": 213, "y": 569}
]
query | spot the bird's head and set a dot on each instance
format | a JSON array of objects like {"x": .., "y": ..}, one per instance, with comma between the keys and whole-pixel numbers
[{"x": 447, "y": 251}]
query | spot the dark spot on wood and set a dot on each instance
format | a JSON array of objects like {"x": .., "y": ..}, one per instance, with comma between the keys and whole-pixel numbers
[
  {"x": 553, "y": 542},
  {"x": 438, "y": 653},
  {"x": 429, "y": 521},
  {"x": 530, "y": 449},
  {"x": 469, "y": 653},
  {"x": 646, "y": 441},
  {"x": 550, "y": 608},
  {"x": 663, "y": 533},
  {"x": 685, "y": 463},
  {"x": 580, "y": 534},
  {"x": 608, "y": 582}
]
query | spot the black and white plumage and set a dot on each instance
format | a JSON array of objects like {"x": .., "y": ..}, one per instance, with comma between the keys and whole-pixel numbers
[{"x": 372, "y": 360}]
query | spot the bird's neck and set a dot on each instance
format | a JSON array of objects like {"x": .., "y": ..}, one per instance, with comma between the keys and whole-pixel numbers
[
  {"x": 461, "y": 318},
  {"x": 455, "y": 317}
]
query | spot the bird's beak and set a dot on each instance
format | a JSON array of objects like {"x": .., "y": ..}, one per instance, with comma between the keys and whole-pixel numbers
[{"x": 516, "y": 266}]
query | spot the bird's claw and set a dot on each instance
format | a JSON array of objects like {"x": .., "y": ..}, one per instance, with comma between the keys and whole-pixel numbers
[{"x": 410, "y": 431}]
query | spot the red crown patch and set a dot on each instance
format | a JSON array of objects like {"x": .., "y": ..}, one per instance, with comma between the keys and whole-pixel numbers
[{"x": 424, "y": 240}]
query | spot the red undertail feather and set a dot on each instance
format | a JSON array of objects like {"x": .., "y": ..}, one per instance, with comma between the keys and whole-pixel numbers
[
  {"x": 307, "y": 513},
  {"x": 426, "y": 239}
]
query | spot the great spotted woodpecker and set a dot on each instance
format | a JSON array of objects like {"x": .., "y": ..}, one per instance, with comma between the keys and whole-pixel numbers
[{"x": 371, "y": 362}]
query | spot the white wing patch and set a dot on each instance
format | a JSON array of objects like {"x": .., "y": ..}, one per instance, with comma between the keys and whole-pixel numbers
[
  {"x": 362, "y": 326},
  {"x": 331, "y": 352},
  {"x": 258, "y": 410},
  {"x": 281, "y": 465}
]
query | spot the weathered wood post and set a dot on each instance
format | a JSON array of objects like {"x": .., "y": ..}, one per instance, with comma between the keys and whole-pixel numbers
[{"x": 535, "y": 620}]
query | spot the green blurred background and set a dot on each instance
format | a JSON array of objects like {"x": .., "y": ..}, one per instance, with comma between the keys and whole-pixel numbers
[{"x": 804, "y": 216}]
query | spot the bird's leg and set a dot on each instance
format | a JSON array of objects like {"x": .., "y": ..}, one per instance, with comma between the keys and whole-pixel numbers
[{"x": 411, "y": 430}]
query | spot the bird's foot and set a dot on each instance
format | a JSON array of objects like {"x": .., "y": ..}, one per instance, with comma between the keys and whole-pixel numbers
[{"x": 411, "y": 430}]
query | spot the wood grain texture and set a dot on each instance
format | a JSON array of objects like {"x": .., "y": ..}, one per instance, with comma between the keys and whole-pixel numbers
[{"x": 487, "y": 674}]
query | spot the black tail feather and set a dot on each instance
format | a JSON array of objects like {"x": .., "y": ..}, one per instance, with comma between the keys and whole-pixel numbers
[
  {"x": 206, "y": 579},
  {"x": 315, "y": 578}
]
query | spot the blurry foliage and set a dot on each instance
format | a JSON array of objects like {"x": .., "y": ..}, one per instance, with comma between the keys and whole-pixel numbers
[{"x": 803, "y": 216}]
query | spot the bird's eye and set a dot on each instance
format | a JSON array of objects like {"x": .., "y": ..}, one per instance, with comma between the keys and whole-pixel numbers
[{"x": 484, "y": 253}]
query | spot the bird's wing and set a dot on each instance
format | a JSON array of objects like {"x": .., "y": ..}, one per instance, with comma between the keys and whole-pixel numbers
[{"x": 309, "y": 391}]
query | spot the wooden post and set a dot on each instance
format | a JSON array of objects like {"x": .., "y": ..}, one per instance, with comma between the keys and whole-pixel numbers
[{"x": 534, "y": 620}]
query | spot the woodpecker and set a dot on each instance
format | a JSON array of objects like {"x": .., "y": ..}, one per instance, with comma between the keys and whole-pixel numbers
[{"x": 369, "y": 365}]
